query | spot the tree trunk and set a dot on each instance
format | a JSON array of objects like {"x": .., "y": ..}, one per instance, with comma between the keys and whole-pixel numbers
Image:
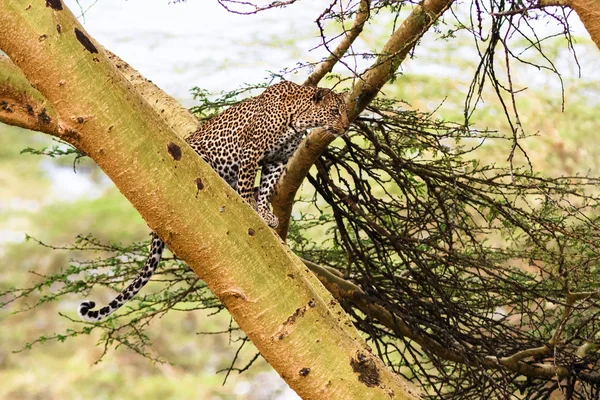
[{"x": 293, "y": 321}]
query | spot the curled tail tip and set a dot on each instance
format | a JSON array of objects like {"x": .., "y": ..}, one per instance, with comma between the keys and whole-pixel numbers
[
  {"x": 85, "y": 311},
  {"x": 85, "y": 306}
]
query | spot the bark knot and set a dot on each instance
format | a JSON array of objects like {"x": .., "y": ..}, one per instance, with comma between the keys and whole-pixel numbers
[
  {"x": 199, "y": 186},
  {"x": 44, "y": 118},
  {"x": 235, "y": 293},
  {"x": 365, "y": 367},
  {"x": 174, "y": 151},
  {"x": 4, "y": 106},
  {"x": 85, "y": 41},
  {"x": 80, "y": 119},
  {"x": 69, "y": 135},
  {"x": 284, "y": 329},
  {"x": 54, "y": 4}
]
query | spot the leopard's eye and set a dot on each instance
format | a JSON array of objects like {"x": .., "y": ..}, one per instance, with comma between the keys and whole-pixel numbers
[{"x": 336, "y": 111}]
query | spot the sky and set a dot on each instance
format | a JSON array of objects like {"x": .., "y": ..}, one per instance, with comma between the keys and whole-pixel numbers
[{"x": 198, "y": 43}]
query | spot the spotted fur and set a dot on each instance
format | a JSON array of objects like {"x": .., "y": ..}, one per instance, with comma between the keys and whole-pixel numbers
[{"x": 261, "y": 132}]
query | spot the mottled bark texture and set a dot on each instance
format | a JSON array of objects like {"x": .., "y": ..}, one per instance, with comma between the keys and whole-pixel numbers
[{"x": 589, "y": 14}]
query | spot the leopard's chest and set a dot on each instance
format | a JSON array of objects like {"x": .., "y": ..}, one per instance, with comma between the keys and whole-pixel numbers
[
  {"x": 225, "y": 145},
  {"x": 281, "y": 147}
]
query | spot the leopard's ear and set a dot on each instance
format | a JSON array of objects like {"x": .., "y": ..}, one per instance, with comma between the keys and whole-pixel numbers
[{"x": 320, "y": 95}]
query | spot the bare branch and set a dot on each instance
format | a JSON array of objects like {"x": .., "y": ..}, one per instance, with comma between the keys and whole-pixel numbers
[
  {"x": 348, "y": 293},
  {"x": 362, "y": 15},
  {"x": 541, "y": 4},
  {"x": 364, "y": 91},
  {"x": 253, "y": 8}
]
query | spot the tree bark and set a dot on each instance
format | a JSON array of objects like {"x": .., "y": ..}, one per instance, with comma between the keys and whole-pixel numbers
[
  {"x": 175, "y": 115},
  {"x": 22, "y": 105},
  {"x": 293, "y": 321},
  {"x": 589, "y": 14}
]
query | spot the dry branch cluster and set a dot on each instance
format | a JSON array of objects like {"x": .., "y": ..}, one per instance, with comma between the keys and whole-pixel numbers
[{"x": 480, "y": 281}]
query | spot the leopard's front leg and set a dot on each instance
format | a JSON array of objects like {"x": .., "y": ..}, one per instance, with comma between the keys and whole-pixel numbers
[
  {"x": 268, "y": 179},
  {"x": 273, "y": 167},
  {"x": 247, "y": 175}
]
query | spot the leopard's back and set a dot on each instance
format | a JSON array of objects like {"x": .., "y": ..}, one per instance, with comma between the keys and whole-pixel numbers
[{"x": 261, "y": 127}]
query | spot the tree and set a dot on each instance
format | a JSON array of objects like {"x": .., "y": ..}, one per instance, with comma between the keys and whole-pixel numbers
[{"x": 411, "y": 231}]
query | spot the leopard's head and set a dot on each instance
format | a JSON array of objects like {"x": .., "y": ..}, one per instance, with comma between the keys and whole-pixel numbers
[{"x": 324, "y": 109}]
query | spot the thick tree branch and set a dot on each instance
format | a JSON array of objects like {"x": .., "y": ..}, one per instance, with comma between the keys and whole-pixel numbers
[
  {"x": 176, "y": 116},
  {"x": 280, "y": 305},
  {"x": 22, "y": 105},
  {"x": 363, "y": 92},
  {"x": 589, "y": 14}
]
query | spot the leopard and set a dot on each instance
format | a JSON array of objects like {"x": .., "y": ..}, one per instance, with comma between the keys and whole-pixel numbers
[{"x": 259, "y": 133}]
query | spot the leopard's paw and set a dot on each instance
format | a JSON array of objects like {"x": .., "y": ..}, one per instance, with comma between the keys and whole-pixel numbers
[{"x": 269, "y": 218}]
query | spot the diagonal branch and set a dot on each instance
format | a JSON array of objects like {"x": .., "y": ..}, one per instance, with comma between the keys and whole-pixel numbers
[
  {"x": 271, "y": 295},
  {"x": 174, "y": 114},
  {"x": 326, "y": 66},
  {"x": 364, "y": 91},
  {"x": 21, "y": 104},
  {"x": 347, "y": 292}
]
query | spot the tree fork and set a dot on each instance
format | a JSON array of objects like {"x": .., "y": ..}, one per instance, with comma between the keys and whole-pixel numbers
[
  {"x": 289, "y": 316},
  {"x": 364, "y": 91},
  {"x": 22, "y": 105}
]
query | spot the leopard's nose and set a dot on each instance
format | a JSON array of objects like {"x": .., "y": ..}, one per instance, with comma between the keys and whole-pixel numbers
[
  {"x": 345, "y": 125},
  {"x": 345, "y": 122}
]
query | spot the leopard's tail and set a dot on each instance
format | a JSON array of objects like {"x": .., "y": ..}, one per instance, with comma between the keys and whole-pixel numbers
[{"x": 85, "y": 308}]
